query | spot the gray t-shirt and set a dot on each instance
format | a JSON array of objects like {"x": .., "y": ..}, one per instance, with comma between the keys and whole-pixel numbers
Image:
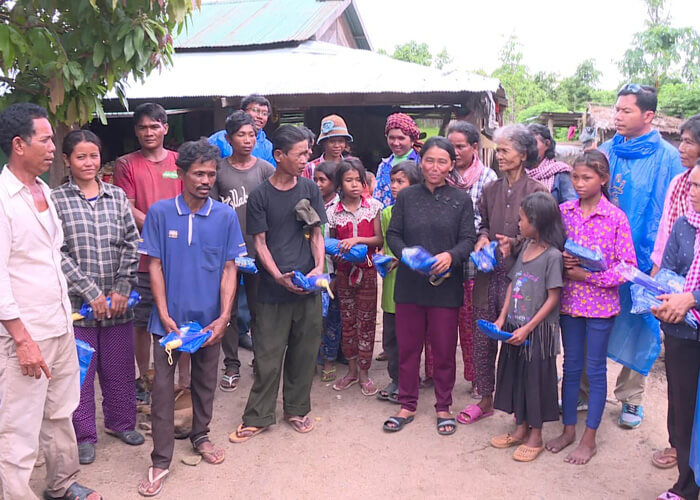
[
  {"x": 531, "y": 281},
  {"x": 233, "y": 187}
]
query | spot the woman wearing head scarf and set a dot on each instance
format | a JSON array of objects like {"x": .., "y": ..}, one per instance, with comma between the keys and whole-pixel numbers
[
  {"x": 402, "y": 134},
  {"x": 554, "y": 174}
]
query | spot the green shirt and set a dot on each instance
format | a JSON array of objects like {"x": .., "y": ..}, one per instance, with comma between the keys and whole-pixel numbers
[{"x": 388, "y": 304}]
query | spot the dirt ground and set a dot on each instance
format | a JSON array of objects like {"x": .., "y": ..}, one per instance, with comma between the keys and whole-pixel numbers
[{"x": 349, "y": 456}]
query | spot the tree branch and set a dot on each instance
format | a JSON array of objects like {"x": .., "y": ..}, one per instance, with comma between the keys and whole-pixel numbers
[{"x": 12, "y": 83}]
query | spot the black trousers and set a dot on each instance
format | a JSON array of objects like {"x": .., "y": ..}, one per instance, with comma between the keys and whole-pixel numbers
[
  {"x": 682, "y": 370},
  {"x": 391, "y": 346}
]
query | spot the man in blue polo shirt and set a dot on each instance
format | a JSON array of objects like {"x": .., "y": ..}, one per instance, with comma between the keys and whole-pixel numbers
[{"x": 192, "y": 242}]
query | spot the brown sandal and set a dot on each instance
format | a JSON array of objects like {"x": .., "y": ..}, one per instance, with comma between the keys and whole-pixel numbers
[
  {"x": 213, "y": 457},
  {"x": 665, "y": 459},
  {"x": 244, "y": 433},
  {"x": 300, "y": 424},
  {"x": 504, "y": 441},
  {"x": 525, "y": 453}
]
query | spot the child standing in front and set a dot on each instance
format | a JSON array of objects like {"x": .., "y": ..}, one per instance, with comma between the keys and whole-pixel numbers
[
  {"x": 527, "y": 373},
  {"x": 403, "y": 174},
  {"x": 355, "y": 219},
  {"x": 324, "y": 177},
  {"x": 589, "y": 301}
]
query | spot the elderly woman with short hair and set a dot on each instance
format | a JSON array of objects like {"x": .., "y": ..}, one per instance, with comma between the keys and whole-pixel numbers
[{"x": 499, "y": 209}]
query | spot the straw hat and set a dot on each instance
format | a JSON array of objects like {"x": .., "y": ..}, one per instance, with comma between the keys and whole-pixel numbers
[{"x": 333, "y": 126}]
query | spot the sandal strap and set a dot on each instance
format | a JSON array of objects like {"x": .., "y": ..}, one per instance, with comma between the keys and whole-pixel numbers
[{"x": 160, "y": 476}]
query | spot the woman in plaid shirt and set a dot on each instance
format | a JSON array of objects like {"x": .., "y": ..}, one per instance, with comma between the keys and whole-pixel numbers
[{"x": 100, "y": 260}]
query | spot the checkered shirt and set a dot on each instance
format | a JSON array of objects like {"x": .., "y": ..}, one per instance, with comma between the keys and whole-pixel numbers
[{"x": 99, "y": 253}]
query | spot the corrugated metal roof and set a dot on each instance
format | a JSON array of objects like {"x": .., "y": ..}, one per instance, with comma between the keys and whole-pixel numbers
[
  {"x": 310, "y": 68},
  {"x": 239, "y": 23}
]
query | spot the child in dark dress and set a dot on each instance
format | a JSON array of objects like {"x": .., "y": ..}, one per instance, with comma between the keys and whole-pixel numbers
[{"x": 527, "y": 374}]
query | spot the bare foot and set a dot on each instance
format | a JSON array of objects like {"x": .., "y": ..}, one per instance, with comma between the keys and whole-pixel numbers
[
  {"x": 559, "y": 443},
  {"x": 486, "y": 404},
  {"x": 521, "y": 433},
  {"x": 581, "y": 455}
]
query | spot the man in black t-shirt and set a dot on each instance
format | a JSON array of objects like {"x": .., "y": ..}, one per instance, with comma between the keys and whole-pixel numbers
[{"x": 288, "y": 319}]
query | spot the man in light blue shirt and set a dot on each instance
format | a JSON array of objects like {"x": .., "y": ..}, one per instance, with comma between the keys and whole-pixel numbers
[{"x": 258, "y": 107}]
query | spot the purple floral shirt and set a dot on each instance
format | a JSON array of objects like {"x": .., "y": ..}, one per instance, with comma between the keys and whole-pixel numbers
[{"x": 608, "y": 228}]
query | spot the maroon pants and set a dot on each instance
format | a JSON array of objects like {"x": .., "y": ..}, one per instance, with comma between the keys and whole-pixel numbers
[{"x": 412, "y": 324}]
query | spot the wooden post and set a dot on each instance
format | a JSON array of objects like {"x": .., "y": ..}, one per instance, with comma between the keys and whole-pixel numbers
[
  {"x": 550, "y": 126},
  {"x": 57, "y": 172}
]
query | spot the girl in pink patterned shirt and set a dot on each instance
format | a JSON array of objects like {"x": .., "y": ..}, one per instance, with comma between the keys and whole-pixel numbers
[
  {"x": 355, "y": 219},
  {"x": 589, "y": 301}
]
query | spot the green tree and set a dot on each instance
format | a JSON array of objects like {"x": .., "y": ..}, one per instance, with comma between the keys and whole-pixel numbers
[
  {"x": 679, "y": 99},
  {"x": 520, "y": 86},
  {"x": 414, "y": 52},
  {"x": 66, "y": 56},
  {"x": 574, "y": 91},
  {"x": 442, "y": 58},
  {"x": 661, "y": 53}
]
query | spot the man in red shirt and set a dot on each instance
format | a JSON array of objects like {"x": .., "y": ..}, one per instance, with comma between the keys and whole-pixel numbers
[{"x": 146, "y": 176}]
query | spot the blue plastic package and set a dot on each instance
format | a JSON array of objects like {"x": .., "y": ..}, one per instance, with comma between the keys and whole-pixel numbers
[
  {"x": 591, "y": 259},
  {"x": 643, "y": 299},
  {"x": 384, "y": 263},
  {"x": 694, "y": 461},
  {"x": 636, "y": 348},
  {"x": 356, "y": 255},
  {"x": 189, "y": 340},
  {"x": 634, "y": 275},
  {"x": 312, "y": 283},
  {"x": 422, "y": 261},
  {"x": 85, "y": 353},
  {"x": 87, "y": 314},
  {"x": 485, "y": 259},
  {"x": 246, "y": 265},
  {"x": 492, "y": 331},
  {"x": 325, "y": 302}
]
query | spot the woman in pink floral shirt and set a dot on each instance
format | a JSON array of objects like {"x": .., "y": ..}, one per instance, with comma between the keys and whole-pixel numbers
[{"x": 589, "y": 301}]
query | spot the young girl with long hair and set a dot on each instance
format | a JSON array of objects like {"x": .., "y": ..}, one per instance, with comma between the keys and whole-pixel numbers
[
  {"x": 356, "y": 219},
  {"x": 527, "y": 371},
  {"x": 589, "y": 301}
]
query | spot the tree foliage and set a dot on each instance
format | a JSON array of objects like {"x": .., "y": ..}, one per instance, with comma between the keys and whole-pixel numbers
[
  {"x": 414, "y": 52},
  {"x": 66, "y": 56},
  {"x": 661, "y": 53},
  {"x": 575, "y": 90},
  {"x": 419, "y": 53}
]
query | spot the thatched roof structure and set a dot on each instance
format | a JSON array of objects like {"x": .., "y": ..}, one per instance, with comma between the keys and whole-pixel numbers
[{"x": 603, "y": 117}]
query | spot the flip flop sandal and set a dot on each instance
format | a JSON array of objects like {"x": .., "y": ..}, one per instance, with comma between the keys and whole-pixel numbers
[
  {"x": 446, "y": 422},
  {"x": 235, "y": 437},
  {"x": 368, "y": 388},
  {"x": 399, "y": 423},
  {"x": 472, "y": 414},
  {"x": 74, "y": 492},
  {"x": 381, "y": 356},
  {"x": 229, "y": 383},
  {"x": 386, "y": 393},
  {"x": 668, "y": 495},
  {"x": 300, "y": 424},
  {"x": 214, "y": 457},
  {"x": 328, "y": 375},
  {"x": 345, "y": 383},
  {"x": 527, "y": 453},
  {"x": 663, "y": 459},
  {"x": 504, "y": 441},
  {"x": 160, "y": 477}
]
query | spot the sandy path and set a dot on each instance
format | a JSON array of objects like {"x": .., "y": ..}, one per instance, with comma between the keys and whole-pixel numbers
[{"x": 348, "y": 455}]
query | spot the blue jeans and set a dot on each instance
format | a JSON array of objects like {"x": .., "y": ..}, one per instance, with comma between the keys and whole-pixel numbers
[{"x": 589, "y": 336}]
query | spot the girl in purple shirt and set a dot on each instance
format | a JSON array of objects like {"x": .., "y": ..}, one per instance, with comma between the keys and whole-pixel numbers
[{"x": 589, "y": 301}]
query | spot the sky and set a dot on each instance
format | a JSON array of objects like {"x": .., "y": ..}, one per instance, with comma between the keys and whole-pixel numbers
[{"x": 556, "y": 35}]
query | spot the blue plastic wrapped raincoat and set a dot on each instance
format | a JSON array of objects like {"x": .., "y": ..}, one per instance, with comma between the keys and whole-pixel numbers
[{"x": 641, "y": 170}]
